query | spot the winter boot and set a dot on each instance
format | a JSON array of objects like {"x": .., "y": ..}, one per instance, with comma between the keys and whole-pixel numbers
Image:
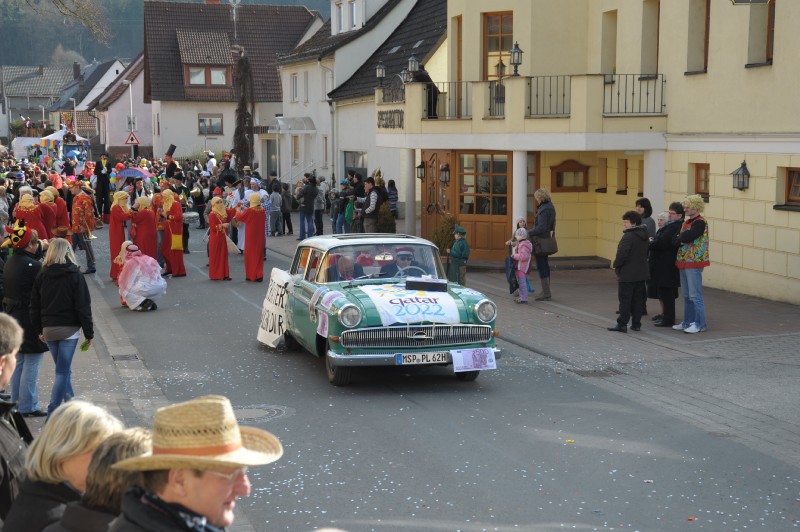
[{"x": 545, "y": 293}]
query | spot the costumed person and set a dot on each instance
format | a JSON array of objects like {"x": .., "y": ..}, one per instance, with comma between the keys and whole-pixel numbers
[
  {"x": 143, "y": 228},
  {"x": 47, "y": 206},
  {"x": 28, "y": 210},
  {"x": 116, "y": 228},
  {"x": 18, "y": 277},
  {"x": 140, "y": 281},
  {"x": 457, "y": 269},
  {"x": 172, "y": 166},
  {"x": 254, "y": 218},
  {"x": 155, "y": 205},
  {"x": 172, "y": 245},
  {"x": 83, "y": 222},
  {"x": 102, "y": 169},
  {"x": 62, "y": 213},
  {"x": 218, "y": 224}
]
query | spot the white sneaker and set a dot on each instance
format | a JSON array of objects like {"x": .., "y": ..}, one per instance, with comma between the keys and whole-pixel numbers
[
  {"x": 694, "y": 328},
  {"x": 679, "y": 327}
]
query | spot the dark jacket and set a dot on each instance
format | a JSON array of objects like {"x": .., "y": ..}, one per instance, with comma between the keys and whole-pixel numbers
[
  {"x": 631, "y": 260},
  {"x": 663, "y": 248},
  {"x": 19, "y": 275},
  {"x": 61, "y": 297},
  {"x": 78, "y": 518},
  {"x": 309, "y": 194},
  {"x": 286, "y": 200},
  {"x": 545, "y": 220},
  {"x": 144, "y": 513},
  {"x": 12, "y": 459},
  {"x": 38, "y": 505}
]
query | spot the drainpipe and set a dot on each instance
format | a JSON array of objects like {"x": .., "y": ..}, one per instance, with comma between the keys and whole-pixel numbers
[{"x": 332, "y": 108}]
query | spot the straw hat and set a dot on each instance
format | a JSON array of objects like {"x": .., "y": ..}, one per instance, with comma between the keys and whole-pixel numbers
[{"x": 202, "y": 433}]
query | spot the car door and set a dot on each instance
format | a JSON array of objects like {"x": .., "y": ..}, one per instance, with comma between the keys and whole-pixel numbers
[{"x": 303, "y": 295}]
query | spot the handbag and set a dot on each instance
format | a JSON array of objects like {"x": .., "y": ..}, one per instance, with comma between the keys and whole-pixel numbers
[
  {"x": 177, "y": 243},
  {"x": 233, "y": 249},
  {"x": 545, "y": 245}
]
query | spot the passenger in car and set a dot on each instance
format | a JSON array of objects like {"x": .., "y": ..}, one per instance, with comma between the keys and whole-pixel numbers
[{"x": 344, "y": 270}]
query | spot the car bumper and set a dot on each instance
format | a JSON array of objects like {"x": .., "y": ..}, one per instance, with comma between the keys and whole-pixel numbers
[{"x": 381, "y": 359}]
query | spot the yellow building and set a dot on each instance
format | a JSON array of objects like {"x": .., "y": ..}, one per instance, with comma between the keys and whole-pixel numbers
[{"x": 613, "y": 100}]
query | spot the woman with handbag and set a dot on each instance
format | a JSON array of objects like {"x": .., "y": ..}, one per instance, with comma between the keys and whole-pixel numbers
[
  {"x": 172, "y": 245},
  {"x": 543, "y": 227},
  {"x": 219, "y": 221}
]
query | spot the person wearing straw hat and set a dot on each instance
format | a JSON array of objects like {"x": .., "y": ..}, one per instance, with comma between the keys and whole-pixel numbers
[{"x": 196, "y": 470}]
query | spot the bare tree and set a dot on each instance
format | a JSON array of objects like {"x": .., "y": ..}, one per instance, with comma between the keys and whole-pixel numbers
[
  {"x": 245, "y": 110},
  {"x": 88, "y": 13}
]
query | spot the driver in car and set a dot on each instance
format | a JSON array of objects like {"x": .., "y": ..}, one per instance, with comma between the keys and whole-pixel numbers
[
  {"x": 344, "y": 270},
  {"x": 404, "y": 259}
]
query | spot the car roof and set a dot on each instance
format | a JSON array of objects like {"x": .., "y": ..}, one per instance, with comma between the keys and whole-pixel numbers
[{"x": 327, "y": 242}]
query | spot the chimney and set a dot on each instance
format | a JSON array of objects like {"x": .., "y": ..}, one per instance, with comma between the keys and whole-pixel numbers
[
  {"x": 41, "y": 70},
  {"x": 76, "y": 70}
]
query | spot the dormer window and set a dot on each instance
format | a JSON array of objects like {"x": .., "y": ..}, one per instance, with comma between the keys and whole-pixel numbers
[
  {"x": 206, "y": 58},
  {"x": 207, "y": 76}
]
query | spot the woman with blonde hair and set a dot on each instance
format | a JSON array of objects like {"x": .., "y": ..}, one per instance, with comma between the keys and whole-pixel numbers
[
  {"x": 691, "y": 260},
  {"x": 47, "y": 206},
  {"x": 60, "y": 307},
  {"x": 219, "y": 221},
  {"x": 545, "y": 223},
  {"x": 57, "y": 464},
  {"x": 172, "y": 245},
  {"x": 116, "y": 228},
  {"x": 105, "y": 486}
]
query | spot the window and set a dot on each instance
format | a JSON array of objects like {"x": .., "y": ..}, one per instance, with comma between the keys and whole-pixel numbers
[
  {"x": 295, "y": 149},
  {"x": 701, "y": 179},
  {"x": 569, "y": 176},
  {"x": 622, "y": 176},
  {"x": 197, "y": 76},
  {"x": 699, "y": 24},
  {"x": 353, "y": 15},
  {"x": 293, "y": 88},
  {"x": 218, "y": 76},
  {"x": 498, "y": 39},
  {"x": 209, "y": 124},
  {"x": 793, "y": 186},
  {"x": 761, "y": 34},
  {"x": 483, "y": 178},
  {"x": 602, "y": 175},
  {"x": 305, "y": 86},
  {"x": 650, "y": 22},
  {"x": 532, "y": 185},
  {"x": 339, "y": 18},
  {"x": 325, "y": 152}
]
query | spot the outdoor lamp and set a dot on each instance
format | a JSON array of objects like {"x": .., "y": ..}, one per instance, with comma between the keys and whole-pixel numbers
[
  {"x": 413, "y": 63},
  {"x": 444, "y": 174},
  {"x": 405, "y": 75},
  {"x": 421, "y": 171},
  {"x": 380, "y": 72},
  {"x": 500, "y": 69},
  {"x": 741, "y": 177},
  {"x": 516, "y": 58}
]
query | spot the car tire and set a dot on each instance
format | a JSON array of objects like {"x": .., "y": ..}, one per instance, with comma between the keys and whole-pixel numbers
[
  {"x": 290, "y": 342},
  {"x": 467, "y": 376},
  {"x": 337, "y": 375}
]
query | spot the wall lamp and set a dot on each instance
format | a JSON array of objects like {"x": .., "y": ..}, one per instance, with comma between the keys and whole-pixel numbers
[
  {"x": 516, "y": 58},
  {"x": 421, "y": 171},
  {"x": 741, "y": 177},
  {"x": 444, "y": 174}
]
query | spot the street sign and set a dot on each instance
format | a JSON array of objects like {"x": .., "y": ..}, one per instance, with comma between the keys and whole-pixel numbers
[{"x": 132, "y": 138}]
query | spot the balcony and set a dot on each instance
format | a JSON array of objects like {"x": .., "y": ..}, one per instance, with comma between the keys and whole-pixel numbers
[{"x": 592, "y": 103}]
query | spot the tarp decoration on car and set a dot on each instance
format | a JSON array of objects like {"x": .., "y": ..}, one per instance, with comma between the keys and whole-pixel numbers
[
  {"x": 396, "y": 304},
  {"x": 273, "y": 310}
]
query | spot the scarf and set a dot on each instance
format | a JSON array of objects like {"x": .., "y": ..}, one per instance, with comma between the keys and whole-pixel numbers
[
  {"x": 218, "y": 208},
  {"x": 121, "y": 200},
  {"x": 255, "y": 200},
  {"x": 167, "y": 199}
]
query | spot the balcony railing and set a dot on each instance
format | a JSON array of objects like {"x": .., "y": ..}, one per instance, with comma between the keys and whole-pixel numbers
[
  {"x": 549, "y": 95},
  {"x": 634, "y": 94},
  {"x": 454, "y": 100},
  {"x": 497, "y": 98}
]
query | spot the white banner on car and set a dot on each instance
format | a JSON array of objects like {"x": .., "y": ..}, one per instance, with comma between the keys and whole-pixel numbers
[
  {"x": 273, "y": 311},
  {"x": 473, "y": 359},
  {"x": 396, "y": 304}
]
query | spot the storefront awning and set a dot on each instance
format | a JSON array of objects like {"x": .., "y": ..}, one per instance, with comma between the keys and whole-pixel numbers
[{"x": 291, "y": 124}]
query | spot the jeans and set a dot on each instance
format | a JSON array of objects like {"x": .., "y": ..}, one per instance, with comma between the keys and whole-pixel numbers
[
  {"x": 522, "y": 280},
  {"x": 25, "y": 382},
  {"x": 62, "y": 352},
  {"x": 342, "y": 226},
  {"x": 694, "y": 310},
  {"x": 80, "y": 241},
  {"x": 159, "y": 240},
  {"x": 543, "y": 265},
  {"x": 275, "y": 222},
  {"x": 306, "y": 225}
]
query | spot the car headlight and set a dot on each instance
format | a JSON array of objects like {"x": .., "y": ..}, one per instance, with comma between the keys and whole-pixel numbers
[
  {"x": 486, "y": 311},
  {"x": 349, "y": 315}
]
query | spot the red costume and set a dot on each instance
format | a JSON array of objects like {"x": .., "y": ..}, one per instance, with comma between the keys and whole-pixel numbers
[
  {"x": 146, "y": 237},
  {"x": 32, "y": 214},
  {"x": 62, "y": 216},
  {"x": 217, "y": 245},
  {"x": 255, "y": 219},
  {"x": 173, "y": 225},
  {"x": 82, "y": 214},
  {"x": 116, "y": 236},
  {"x": 48, "y": 211}
]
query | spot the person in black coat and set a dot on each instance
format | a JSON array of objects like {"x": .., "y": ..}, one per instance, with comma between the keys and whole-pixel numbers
[
  {"x": 664, "y": 275},
  {"x": 19, "y": 275},
  {"x": 632, "y": 271},
  {"x": 102, "y": 169},
  {"x": 309, "y": 196}
]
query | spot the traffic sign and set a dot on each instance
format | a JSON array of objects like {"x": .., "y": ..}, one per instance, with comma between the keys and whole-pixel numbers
[{"x": 132, "y": 138}]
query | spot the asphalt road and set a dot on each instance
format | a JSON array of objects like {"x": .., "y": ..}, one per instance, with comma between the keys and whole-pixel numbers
[{"x": 529, "y": 446}]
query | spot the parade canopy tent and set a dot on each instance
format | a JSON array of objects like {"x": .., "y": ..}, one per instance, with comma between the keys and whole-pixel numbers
[{"x": 52, "y": 142}]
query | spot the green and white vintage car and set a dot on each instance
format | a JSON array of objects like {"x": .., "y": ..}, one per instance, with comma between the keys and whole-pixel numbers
[{"x": 378, "y": 300}]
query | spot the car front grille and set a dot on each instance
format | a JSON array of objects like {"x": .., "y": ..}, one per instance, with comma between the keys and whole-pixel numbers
[{"x": 416, "y": 336}]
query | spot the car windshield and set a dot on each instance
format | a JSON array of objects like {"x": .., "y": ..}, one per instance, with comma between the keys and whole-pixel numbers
[{"x": 384, "y": 261}]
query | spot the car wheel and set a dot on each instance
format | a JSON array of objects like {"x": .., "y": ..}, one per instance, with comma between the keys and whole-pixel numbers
[
  {"x": 337, "y": 375},
  {"x": 467, "y": 376},
  {"x": 290, "y": 342}
]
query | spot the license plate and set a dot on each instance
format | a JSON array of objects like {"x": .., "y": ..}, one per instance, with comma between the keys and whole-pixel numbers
[{"x": 442, "y": 357}]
